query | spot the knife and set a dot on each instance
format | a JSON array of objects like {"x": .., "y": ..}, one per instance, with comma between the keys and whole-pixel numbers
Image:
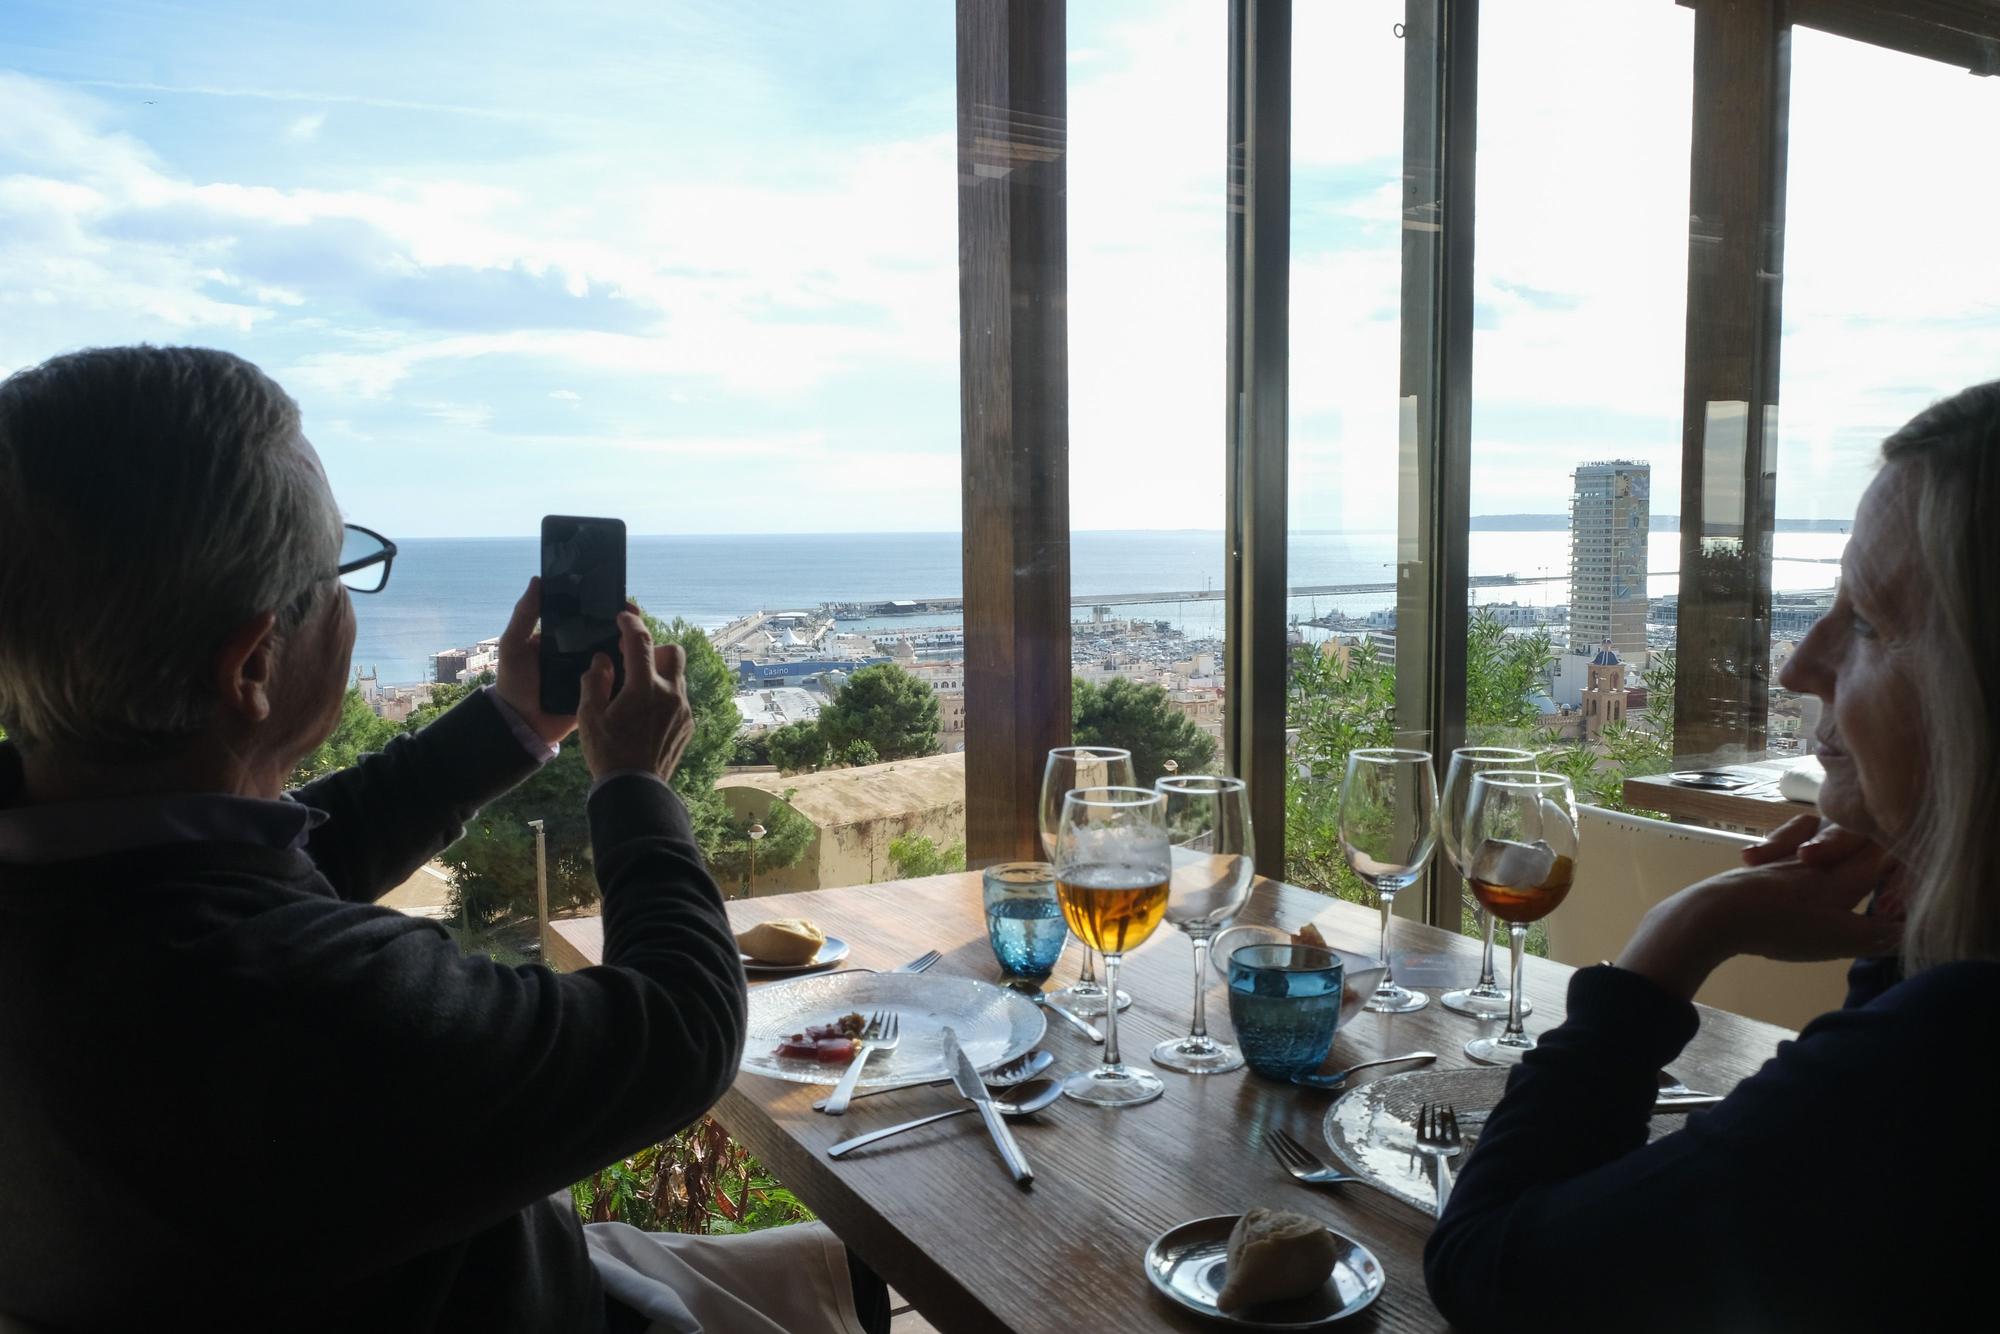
[{"x": 971, "y": 1086}]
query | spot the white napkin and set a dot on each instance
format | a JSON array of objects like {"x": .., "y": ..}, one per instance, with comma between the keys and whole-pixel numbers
[{"x": 1800, "y": 781}]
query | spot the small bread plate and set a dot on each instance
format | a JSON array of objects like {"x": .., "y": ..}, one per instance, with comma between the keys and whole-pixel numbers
[
  {"x": 992, "y": 1023},
  {"x": 1189, "y": 1263},
  {"x": 831, "y": 952}
]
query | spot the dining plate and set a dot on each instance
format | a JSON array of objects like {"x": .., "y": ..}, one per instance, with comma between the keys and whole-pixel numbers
[
  {"x": 993, "y": 1024},
  {"x": 1189, "y": 1263},
  {"x": 831, "y": 952},
  {"x": 1372, "y": 1129}
]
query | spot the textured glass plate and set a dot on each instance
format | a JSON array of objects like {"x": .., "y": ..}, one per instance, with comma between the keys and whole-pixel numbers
[
  {"x": 993, "y": 1025},
  {"x": 1373, "y": 1129},
  {"x": 1189, "y": 1263},
  {"x": 831, "y": 952}
]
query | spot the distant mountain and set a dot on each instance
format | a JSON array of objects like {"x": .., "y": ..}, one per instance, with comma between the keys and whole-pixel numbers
[{"x": 1661, "y": 523}]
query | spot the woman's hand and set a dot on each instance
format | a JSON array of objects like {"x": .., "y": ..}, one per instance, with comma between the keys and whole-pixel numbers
[{"x": 1794, "y": 901}]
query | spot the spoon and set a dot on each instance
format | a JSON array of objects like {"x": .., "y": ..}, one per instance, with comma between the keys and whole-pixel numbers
[
  {"x": 1339, "y": 1077},
  {"x": 1019, "y": 1100},
  {"x": 1084, "y": 1026},
  {"x": 1023, "y": 1067}
]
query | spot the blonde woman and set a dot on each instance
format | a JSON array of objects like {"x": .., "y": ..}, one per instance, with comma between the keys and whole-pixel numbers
[{"x": 1835, "y": 1189}]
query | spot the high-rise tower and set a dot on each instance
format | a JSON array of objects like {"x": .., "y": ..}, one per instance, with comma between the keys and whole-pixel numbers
[{"x": 1609, "y": 518}]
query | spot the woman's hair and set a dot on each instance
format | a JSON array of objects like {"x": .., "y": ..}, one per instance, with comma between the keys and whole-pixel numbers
[
  {"x": 152, "y": 501},
  {"x": 1949, "y": 461}
]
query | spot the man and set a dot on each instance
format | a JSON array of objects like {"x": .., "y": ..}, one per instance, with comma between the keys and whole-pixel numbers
[{"x": 204, "y": 1017}]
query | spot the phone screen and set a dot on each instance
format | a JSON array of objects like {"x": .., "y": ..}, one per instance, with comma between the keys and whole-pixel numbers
[{"x": 583, "y": 590}]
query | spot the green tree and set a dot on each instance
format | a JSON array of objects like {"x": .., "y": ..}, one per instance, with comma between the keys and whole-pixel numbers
[
  {"x": 751, "y": 749},
  {"x": 858, "y": 753},
  {"x": 787, "y": 835},
  {"x": 1643, "y": 745},
  {"x": 1502, "y": 672},
  {"x": 1143, "y": 720},
  {"x": 798, "y": 747},
  {"x": 888, "y": 708},
  {"x": 914, "y": 855},
  {"x": 443, "y": 697},
  {"x": 359, "y": 732}
]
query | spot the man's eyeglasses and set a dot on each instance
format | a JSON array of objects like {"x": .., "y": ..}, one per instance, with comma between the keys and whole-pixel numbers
[{"x": 364, "y": 558}]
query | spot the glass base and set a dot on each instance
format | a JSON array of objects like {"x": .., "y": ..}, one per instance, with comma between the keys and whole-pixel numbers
[
  {"x": 1113, "y": 1086},
  {"x": 1393, "y": 999},
  {"x": 1477, "y": 1004},
  {"x": 1495, "y": 1051},
  {"x": 1197, "y": 1056},
  {"x": 1088, "y": 1001}
]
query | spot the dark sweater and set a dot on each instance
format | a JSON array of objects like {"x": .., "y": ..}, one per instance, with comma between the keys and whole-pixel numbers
[
  {"x": 1842, "y": 1187},
  {"x": 234, "y": 1094}
]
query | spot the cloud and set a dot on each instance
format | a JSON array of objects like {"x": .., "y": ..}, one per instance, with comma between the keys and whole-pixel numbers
[
  {"x": 306, "y": 126},
  {"x": 566, "y": 395}
]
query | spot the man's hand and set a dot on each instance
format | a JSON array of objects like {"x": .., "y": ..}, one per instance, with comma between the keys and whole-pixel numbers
[
  {"x": 648, "y": 725},
  {"x": 1794, "y": 909},
  {"x": 519, "y": 677}
]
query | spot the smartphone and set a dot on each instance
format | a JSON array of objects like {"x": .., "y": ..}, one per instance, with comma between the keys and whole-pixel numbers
[{"x": 583, "y": 590}]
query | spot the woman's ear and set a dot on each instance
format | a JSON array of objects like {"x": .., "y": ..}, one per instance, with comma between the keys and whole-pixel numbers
[{"x": 244, "y": 666}]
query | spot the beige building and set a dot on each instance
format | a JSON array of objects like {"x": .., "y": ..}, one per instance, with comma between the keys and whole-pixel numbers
[
  {"x": 951, "y": 720},
  {"x": 858, "y": 813}
]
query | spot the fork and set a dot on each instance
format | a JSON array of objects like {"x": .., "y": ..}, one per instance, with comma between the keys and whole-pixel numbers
[
  {"x": 1438, "y": 1138},
  {"x": 918, "y": 964},
  {"x": 1295, "y": 1158},
  {"x": 883, "y": 1032}
]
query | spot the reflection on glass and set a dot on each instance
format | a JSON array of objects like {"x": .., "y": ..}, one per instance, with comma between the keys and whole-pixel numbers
[
  {"x": 1388, "y": 826},
  {"x": 1522, "y": 835},
  {"x": 1486, "y": 1000}
]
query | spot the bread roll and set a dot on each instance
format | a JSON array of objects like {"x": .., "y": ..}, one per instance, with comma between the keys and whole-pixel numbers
[
  {"x": 1274, "y": 1256},
  {"x": 789, "y": 940}
]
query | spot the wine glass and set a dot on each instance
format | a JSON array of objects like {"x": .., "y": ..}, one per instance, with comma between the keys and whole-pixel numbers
[
  {"x": 1388, "y": 826},
  {"x": 1068, "y": 768},
  {"x": 1487, "y": 1000},
  {"x": 1112, "y": 869},
  {"x": 1208, "y": 832},
  {"x": 1522, "y": 836}
]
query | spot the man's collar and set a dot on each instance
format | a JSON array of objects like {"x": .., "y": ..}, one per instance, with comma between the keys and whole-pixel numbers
[{"x": 70, "y": 830}]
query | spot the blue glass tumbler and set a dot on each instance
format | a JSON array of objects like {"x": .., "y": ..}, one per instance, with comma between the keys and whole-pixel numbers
[
  {"x": 1024, "y": 923},
  {"x": 1284, "y": 1001}
]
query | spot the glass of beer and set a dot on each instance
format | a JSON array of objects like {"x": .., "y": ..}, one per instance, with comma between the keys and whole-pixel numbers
[
  {"x": 1208, "y": 833},
  {"x": 1112, "y": 869},
  {"x": 1388, "y": 827},
  {"x": 1069, "y": 768},
  {"x": 1522, "y": 840},
  {"x": 1488, "y": 999}
]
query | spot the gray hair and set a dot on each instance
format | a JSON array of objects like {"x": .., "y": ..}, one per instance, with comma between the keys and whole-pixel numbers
[
  {"x": 152, "y": 501},
  {"x": 1949, "y": 458}
]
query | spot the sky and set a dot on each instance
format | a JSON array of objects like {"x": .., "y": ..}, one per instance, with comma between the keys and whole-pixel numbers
[{"x": 694, "y": 262}]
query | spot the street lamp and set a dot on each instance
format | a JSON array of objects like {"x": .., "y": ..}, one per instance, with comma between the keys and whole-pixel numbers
[
  {"x": 541, "y": 885},
  {"x": 756, "y": 832}
]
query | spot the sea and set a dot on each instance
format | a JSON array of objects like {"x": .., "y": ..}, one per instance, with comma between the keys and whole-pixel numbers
[{"x": 446, "y": 593}]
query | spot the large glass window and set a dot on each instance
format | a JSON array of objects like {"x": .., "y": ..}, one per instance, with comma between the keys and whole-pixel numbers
[
  {"x": 1148, "y": 111},
  {"x": 1581, "y": 292},
  {"x": 1891, "y": 299}
]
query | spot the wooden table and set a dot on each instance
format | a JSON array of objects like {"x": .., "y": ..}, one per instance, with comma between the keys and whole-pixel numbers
[
  {"x": 934, "y": 1212},
  {"x": 1756, "y": 809}
]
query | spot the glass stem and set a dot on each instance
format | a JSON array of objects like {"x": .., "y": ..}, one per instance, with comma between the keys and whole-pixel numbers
[
  {"x": 1486, "y": 979},
  {"x": 1111, "y": 1012},
  {"x": 1518, "y": 941},
  {"x": 1200, "y": 1029},
  {"x": 1088, "y": 977},
  {"x": 1387, "y": 898}
]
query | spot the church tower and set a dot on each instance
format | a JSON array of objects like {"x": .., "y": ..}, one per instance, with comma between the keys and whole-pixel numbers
[{"x": 1603, "y": 692}]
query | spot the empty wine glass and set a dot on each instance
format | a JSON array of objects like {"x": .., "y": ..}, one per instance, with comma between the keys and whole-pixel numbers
[
  {"x": 1112, "y": 869},
  {"x": 1486, "y": 1000},
  {"x": 1388, "y": 826},
  {"x": 1522, "y": 839},
  {"x": 1208, "y": 830},
  {"x": 1069, "y": 768}
]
